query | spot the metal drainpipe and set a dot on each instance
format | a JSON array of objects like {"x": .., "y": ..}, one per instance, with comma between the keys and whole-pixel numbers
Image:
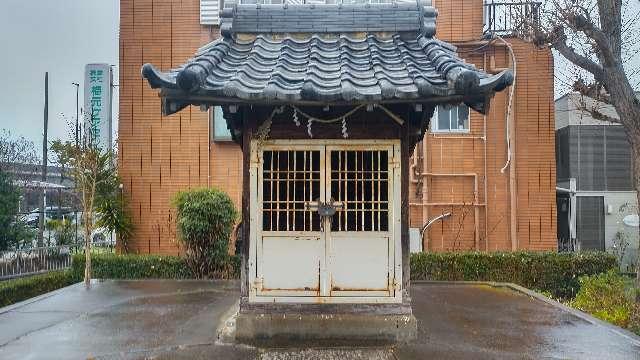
[
  {"x": 486, "y": 191},
  {"x": 425, "y": 192},
  {"x": 210, "y": 117},
  {"x": 511, "y": 150},
  {"x": 433, "y": 221},
  {"x": 511, "y": 144},
  {"x": 513, "y": 190},
  {"x": 486, "y": 174}
]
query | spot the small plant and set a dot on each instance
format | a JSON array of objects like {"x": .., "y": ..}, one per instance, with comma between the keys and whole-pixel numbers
[
  {"x": 620, "y": 245},
  {"x": 604, "y": 296},
  {"x": 63, "y": 229},
  {"x": 92, "y": 170},
  {"x": 112, "y": 215},
  {"x": 13, "y": 231},
  {"x": 205, "y": 221}
]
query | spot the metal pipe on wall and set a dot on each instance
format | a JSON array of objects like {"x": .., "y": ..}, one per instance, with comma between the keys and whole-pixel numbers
[
  {"x": 511, "y": 146},
  {"x": 425, "y": 204},
  {"x": 486, "y": 177},
  {"x": 210, "y": 119},
  {"x": 425, "y": 192},
  {"x": 490, "y": 67}
]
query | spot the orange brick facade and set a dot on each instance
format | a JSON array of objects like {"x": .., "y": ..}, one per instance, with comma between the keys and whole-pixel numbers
[{"x": 161, "y": 155}]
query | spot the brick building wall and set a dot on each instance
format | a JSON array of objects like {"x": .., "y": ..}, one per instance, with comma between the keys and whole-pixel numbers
[
  {"x": 161, "y": 155},
  {"x": 455, "y": 161}
]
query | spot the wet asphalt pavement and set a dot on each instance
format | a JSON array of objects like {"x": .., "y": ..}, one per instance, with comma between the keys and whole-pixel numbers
[{"x": 178, "y": 320}]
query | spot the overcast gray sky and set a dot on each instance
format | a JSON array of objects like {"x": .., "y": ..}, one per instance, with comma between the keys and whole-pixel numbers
[
  {"x": 61, "y": 36},
  {"x": 58, "y": 36}
]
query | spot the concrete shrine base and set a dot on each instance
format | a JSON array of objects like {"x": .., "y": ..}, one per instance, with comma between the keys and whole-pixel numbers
[
  {"x": 272, "y": 324},
  {"x": 273, "y": 329}
]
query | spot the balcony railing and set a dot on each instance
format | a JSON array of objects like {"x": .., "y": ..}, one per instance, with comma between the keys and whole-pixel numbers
[
  {"x": 510, "y": 18},
  {"x": 315, "y": 2}
]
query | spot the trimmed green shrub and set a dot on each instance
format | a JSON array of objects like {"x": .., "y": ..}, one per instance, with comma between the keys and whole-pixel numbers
[
  {"x": 112, "y": 266},
  {"x": 604, "y": 296},
  {"x": 555, "y": 273},
  {"x": 205, "y": 221},
  {"x": 16, "y": 290}
]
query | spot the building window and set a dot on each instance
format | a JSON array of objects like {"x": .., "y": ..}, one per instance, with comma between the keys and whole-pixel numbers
[
  {"x": 219, "y": 132},
  {"x": 451, "y": 119}
]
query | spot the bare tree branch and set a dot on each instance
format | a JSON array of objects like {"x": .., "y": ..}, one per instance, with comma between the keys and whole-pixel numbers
[
  {"x": 594, "y": 91},
  {"x": 560, "y": 43},
  {"x": 599, "y": 34},
  {"x": 596, "y": 114}
]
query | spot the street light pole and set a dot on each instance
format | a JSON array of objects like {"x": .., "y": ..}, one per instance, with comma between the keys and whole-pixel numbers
[
  {"x": 43, "y": 197},
  {"x": 77, "y": 85}
]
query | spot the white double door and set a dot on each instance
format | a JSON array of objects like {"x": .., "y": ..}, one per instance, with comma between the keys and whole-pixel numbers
[{"x": 327, "y": 222}]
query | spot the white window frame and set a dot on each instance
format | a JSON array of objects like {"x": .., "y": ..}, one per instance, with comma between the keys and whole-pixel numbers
[
  {"x": 435, "y": 120},
  {"x": 226, "y": 137}
]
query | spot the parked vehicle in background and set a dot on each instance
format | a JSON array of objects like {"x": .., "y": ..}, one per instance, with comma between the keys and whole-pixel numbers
[
  {"x": 50, "y": 213},
  {"x": 66, "y": 220},
  {"x": 102, "y": 235}
]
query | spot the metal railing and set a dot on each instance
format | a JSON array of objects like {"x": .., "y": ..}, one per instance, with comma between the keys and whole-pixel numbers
[
  {"x": 30, "y": 261},
  {"x": 510, "y": 18}
]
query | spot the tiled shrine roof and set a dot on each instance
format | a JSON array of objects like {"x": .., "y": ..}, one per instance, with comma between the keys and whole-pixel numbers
[{"x": 326, "y": 54}]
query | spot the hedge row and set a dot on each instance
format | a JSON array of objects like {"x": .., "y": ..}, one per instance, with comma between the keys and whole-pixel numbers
[
  {"x": 15, "y": 290},
  {"x": 555, "y": 273},
  {"x": 111, "y": 266}
]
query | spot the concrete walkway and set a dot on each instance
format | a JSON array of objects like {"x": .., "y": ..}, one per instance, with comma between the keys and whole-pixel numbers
[{"x": 178, "y": 320}]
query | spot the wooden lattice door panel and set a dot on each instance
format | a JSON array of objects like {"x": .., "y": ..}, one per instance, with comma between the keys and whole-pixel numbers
[
  {"x": 345, "y": 255},
  {"x": 291, "y": 247},
  {"x": 360, "y": 180},
  {"x": 360, "y": 183},
  {"x": 290, "y": 180}
]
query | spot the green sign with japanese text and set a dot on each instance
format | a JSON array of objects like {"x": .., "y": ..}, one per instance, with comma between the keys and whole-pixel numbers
[{"x": 97, "y": 104}]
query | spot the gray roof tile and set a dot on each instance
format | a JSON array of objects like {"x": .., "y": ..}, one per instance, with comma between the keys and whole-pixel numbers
[
  {"x": 326, "y": 18},
  {"x": 365, "y": 58},
  {"x": 318, "y": 69}
]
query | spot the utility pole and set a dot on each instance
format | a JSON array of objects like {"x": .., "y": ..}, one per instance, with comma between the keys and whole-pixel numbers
[
  {"x": 77, "y": 85},
  {"x": 44, "y": 161}
]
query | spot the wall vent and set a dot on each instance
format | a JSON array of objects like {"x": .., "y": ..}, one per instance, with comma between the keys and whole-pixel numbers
[{"x": 210, "y": 12}]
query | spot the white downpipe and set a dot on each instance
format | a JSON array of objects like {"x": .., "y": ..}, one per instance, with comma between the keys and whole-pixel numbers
[
  {"x": 509, "y": 119},
  {"x": 210, "y": 118},
  {"x": 510, "y": 127}
]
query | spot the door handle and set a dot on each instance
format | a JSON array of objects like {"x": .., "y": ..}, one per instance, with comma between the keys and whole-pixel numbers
[
  {"x": 328, "y": 208},
  {"x": 338, "y": 205},
  {"x": 312, "y": 205}
]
